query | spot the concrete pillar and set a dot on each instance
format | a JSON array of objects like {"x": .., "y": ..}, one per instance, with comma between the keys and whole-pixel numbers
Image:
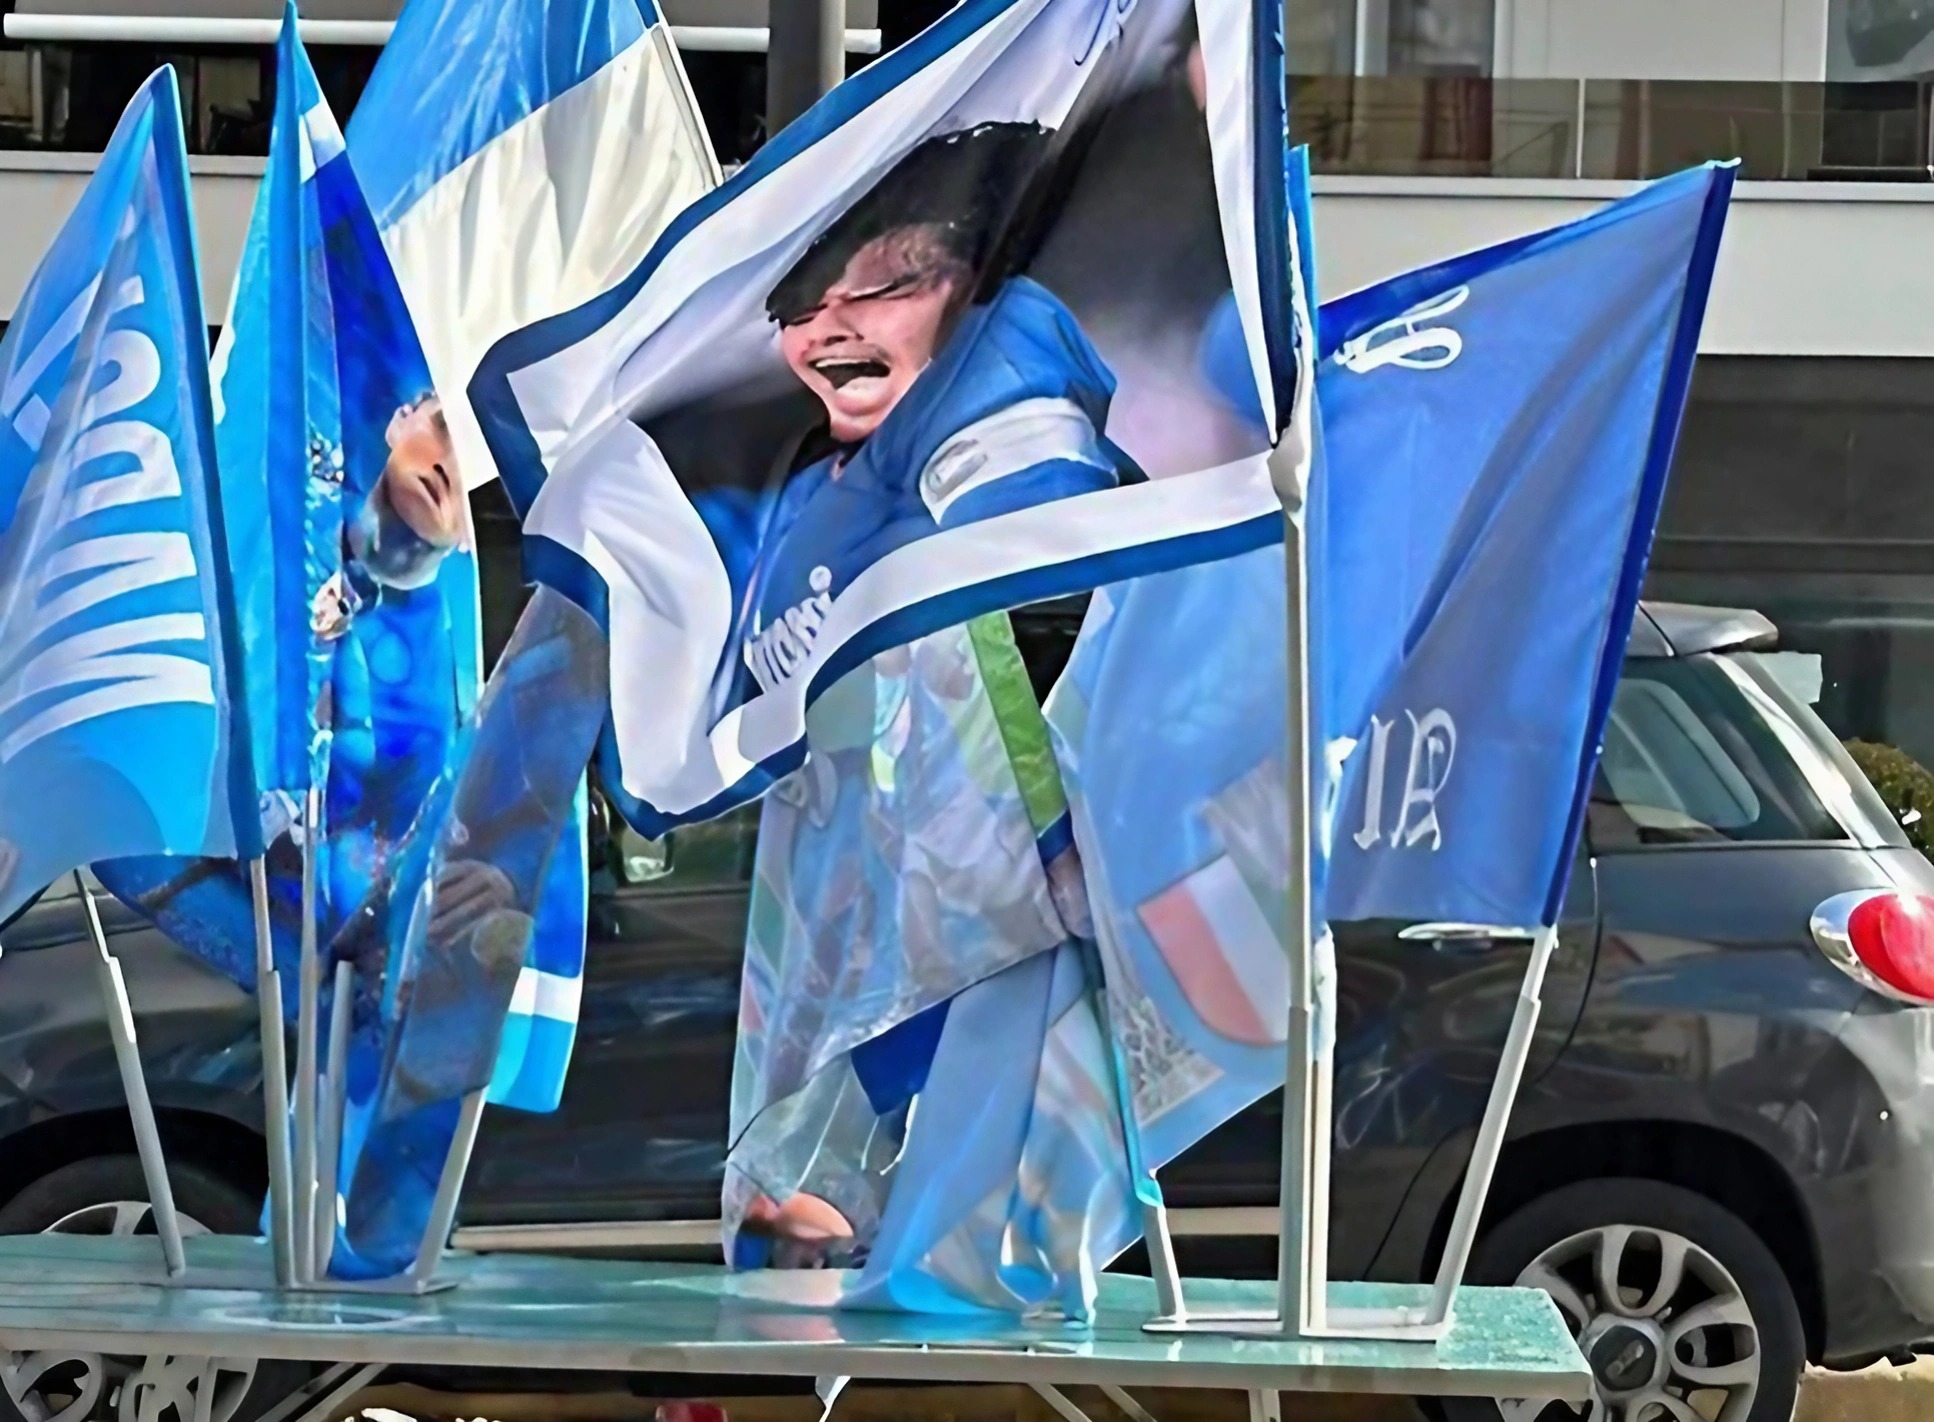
[{"x": 805, "y": 57}]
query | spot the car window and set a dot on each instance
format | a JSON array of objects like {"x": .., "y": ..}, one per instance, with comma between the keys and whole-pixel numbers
[
  {"x": 714, "y": 854},
  {"x": 1693, "y": 756}
]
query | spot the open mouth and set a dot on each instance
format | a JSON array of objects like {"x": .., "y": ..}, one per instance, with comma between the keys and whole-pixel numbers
[{"x": 840, "y": 372}]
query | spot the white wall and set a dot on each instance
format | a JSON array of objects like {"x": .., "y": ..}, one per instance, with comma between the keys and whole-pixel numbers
[
  {"x": 1806, "y": 269},
  {"x": 38, "y": 190},
  {"x": 1662, "y": 39}
]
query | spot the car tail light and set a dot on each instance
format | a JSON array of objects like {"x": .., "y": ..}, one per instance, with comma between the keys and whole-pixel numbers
[{"x": 1885, "y": 940}]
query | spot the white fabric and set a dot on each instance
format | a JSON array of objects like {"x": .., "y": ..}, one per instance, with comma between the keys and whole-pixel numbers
[
  {"x": 671, "y": 599},
  {"x": 554, "y": 211},
  {"x": 1010, "y": 441},
  {"x": 540, "y": 994}
]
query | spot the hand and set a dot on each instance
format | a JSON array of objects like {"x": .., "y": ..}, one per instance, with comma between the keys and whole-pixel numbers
[
  {"x": 803, "y": 1231},
  {"x": 468, "y": 892},
  {"x": 329, "y": 614}
]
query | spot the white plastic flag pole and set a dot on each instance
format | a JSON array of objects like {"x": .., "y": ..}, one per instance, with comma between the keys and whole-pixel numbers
[
  {"x": 127, "y": 1056},
  {"x": 333, "y": 1095},
  {"x": 1300, "y": 1285},
  {"x": 275, "y": 1079},
  {"x": 1490, "y": 1133},
  {"x": 309, "y": 990}
]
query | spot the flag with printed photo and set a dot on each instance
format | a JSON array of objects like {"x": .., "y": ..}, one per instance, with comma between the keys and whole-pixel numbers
[{"x": 928, "y": 356}]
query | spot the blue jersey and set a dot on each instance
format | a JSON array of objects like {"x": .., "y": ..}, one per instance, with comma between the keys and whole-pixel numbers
[
  {"x": 1010, "y": 414},
  {"x": 906, "y": 861}
]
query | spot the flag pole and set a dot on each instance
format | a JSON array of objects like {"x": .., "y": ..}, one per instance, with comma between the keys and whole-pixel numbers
[
  {"x": 275, "y": 1078},
  {"x": 1490, "y": 1134},
  {"x": 309, "y": 989},
  {"x": 443, "y": 1208},
  {"x": 127, "y": 1056},
  {"x": 335, "y": 1085},
  {"x": 1300, "y": 1288}
]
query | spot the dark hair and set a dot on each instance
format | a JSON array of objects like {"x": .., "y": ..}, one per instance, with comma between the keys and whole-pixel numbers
[{"x": 965, "y": 186}]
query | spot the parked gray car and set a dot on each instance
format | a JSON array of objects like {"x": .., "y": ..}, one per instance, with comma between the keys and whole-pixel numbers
[{"x": 1722, "y": 1164}]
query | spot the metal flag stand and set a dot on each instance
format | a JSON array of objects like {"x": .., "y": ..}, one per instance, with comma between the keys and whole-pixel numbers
[
  {"x": 127, "y": 1056},
  {"x": 275, "y": 1079},
  {"x": 1303, "y": 1307}
]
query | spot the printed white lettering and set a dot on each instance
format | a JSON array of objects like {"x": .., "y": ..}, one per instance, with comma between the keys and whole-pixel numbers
[
  {"x": 1372, "y": 830},
  {"x": 1406, "y": 340},
  {"x": 1433, "y": 747},
  {"x": 776, "y": 653},
  {"x": 114, "y": 662}
]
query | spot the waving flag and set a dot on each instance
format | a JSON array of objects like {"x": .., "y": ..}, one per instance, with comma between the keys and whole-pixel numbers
[
  {"x": 349, "y": 547},
  {"x": 519, "y": 157},
  {"x": 1508, "y": 418},
  {"x": 1494, "y": 438},
  {"x": 927, "y": 356},
  {"x": 120, "y": 724},
  {"x": 441, "y": 943}
]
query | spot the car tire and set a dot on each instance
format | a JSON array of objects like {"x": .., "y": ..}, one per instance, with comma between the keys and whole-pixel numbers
[
  {"x": 1725, "y": 1273},
  {"x": 83, "y": 1197},
  {"x": 109, "y": 1195}
]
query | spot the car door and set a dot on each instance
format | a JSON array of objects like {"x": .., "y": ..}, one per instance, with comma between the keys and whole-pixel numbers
[
  {"x": 641, "y": 1132},
  {"x": 1421, "y": 1024}
]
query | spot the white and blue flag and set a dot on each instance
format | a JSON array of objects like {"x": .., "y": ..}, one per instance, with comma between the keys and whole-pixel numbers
[
  {"x": 1494, "y": 437},
  {"x": 121, "y": 726},
  {"x": 928, "y": 356},
  {"x": 590, "y": 415},
  {"x": 519, "y": 157}
]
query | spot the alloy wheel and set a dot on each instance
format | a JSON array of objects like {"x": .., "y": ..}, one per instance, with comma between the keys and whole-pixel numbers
[{"x": 1663, "y": 1324}]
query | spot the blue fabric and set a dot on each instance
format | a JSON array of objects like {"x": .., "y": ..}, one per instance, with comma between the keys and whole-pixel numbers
[
  {"x": 120, "y": 730},
  {"x": 319, "y": 357},
  {"x": 448, "y": 928},
  {"x": 455, "y": 77},
  {"x": 1498, "y": 429},
  {"x": 452, "y": 80},
  {"x": 1473, "y": 534}
]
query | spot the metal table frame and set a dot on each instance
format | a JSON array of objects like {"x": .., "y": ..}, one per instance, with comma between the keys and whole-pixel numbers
[{"x": 114, "y": 1297}]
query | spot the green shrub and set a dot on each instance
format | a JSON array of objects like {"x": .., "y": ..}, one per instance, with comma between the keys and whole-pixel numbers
[{"x": 1905, "y": 785}]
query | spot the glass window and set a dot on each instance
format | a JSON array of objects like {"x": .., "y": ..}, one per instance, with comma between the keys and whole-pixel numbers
[
  {"x": 1441, "y": 38},
  {"x": 1692, "y": 757},
  {"x": 716, "y": 854}
]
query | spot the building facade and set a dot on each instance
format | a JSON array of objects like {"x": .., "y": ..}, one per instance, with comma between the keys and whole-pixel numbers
[{"x": 1805, "y": 480}]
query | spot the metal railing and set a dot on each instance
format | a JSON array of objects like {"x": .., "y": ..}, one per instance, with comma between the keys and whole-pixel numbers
[
  {"x": 188, "y": 30},
  {"x": 1613, "y": 128}
]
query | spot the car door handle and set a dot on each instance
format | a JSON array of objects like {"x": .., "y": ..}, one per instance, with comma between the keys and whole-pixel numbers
[{"x": 1464, "y": 937}]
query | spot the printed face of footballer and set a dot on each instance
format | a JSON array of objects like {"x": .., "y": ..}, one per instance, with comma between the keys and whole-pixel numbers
[
  {"x": 421, "y": 475},
  {"x": 876, "y": 328}
]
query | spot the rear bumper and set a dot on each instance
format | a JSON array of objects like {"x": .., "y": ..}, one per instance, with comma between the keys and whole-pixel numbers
[{"x": 1888, "y": 1178}]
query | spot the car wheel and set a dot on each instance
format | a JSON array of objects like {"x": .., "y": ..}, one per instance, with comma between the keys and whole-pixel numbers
[
  {"x": 1679, "y": 1307},
  {"x": 109, "y": 1195}
]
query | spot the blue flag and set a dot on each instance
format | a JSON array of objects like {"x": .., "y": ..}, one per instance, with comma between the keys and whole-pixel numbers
[
  {"x": 483, "y": 142},
  {"x": 1498, "y": 430},
  {"x": 355, "y": 584},
  {"x": 1489, "y": 445},
  {"x": 121, "y": 731}
]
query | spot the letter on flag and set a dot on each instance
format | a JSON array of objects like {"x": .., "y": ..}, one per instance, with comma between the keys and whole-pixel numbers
[{"x": 120, "y": 726}]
